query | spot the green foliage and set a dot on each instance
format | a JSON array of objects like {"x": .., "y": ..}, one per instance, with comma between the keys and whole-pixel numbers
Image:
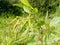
[
  {"x": 44, "y": 5},
  {"x": 27, "y": 7},
  {"x": 32, "y": 28},
  {"x": 26, "y": 3},
  {"x": 55, "y": 21}
]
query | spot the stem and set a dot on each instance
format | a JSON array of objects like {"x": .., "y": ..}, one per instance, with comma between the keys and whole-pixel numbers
[{"x": 46, "y": 18}]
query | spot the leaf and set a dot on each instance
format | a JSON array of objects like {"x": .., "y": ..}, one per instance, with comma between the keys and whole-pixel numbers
[
  {"x": 19, "y": 5},
  {"x": 26, "y": 9},
  {"x": 55, "y": 21},
  {"x": 26, "y": 3},
  {"x": 35, "y": 10}
]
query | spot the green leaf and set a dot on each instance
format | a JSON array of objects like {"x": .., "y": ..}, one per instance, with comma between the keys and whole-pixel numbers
[
  {"x": 26, "y": 9},
  {"x": 19, "y": 5},
  {"x": 55, "y": 21},
  {"x": 26, "y": 3},
  {"x": 35, "y": 10}
]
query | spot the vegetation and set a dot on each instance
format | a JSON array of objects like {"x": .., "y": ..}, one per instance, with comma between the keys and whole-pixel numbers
[{"x": 29, "y": 22}]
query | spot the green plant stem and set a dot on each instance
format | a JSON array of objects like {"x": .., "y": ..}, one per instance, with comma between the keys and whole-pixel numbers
[{"x": 46, "y": 18}]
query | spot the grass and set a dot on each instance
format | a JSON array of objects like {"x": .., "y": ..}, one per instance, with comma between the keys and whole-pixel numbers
[{"x": 28, "y": 30}]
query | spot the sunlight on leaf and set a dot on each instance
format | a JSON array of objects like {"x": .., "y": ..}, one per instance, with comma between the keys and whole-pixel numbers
[
  {"x": 26, "y": 9},
  {"x": 26, "y": 3}
]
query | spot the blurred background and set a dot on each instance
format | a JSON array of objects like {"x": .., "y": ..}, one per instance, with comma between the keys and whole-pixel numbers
[{"x": 29, "y": 22}]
